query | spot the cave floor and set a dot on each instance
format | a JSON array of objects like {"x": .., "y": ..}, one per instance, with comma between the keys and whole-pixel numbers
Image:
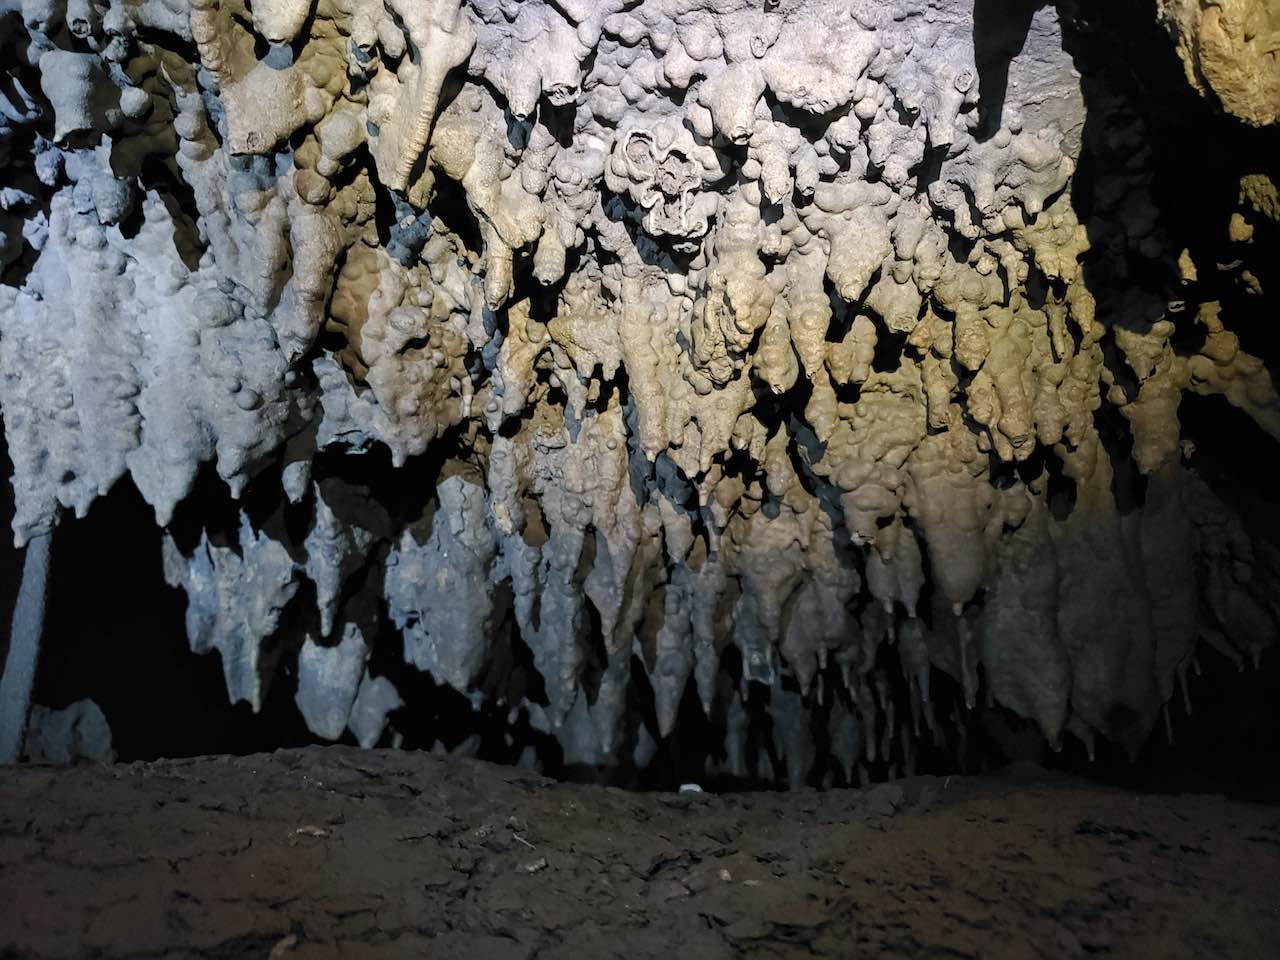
[{"x": 334, "y": 851}]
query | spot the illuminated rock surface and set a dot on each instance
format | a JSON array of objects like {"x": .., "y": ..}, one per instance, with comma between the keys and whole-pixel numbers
[{"x": 785, "y": 362}]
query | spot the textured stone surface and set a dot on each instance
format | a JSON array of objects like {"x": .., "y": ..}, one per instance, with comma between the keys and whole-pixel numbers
[
  {"x": 1231, "y": 50},
  {"x": 722, "y": 350},
  {"x": 331, "y": 852}
]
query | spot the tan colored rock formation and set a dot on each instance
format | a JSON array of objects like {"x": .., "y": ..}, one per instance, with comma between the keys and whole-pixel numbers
[
  {"x": 718, "y": 341},
  {"x": 1231, "y": 51}
]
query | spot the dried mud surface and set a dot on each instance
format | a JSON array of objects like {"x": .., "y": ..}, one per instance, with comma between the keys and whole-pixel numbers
[{"x": 331, "y": 851}]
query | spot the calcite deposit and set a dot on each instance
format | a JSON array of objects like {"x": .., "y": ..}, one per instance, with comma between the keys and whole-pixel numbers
[
  {"x": 1231, "y": 52},
  {"x": 615, "y": 361}
]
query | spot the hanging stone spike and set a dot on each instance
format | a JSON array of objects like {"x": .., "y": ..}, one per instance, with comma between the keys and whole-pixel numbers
[
  {"x": 866, "y": 702},
  {"x": 792, "y": 736},
  {"x": 846, "y": 738},
  {"x": 890, "y": 707},
  {"x": 968, "y": 661},
  {"x": 235, "y": 596},
  {"x": 735, "y": 738},
  {"x": 611, "y": 701},
  {"x": 673, "y": 663},
  {"x": 708, "y": 587},
  {"x": 344, "y": 528},
  {"x": 376, "y": 698},
  {"x": 329, "y": 679}
]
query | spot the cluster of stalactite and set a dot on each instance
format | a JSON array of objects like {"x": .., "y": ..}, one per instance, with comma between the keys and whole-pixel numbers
[{"x": 754, "y": 352}]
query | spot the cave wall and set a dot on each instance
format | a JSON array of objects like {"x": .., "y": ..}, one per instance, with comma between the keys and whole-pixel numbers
[{"x": 612, "y": 361}]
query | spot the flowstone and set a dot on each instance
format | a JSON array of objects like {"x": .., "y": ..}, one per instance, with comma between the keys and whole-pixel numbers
[{"x": 763, "y": 356}]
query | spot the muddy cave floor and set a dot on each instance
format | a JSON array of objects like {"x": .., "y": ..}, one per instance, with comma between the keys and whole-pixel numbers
[{"x": 337, "y": 852}]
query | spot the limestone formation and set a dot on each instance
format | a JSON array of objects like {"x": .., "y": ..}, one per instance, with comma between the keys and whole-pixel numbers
[
  {"x": 756, "y": 355},
  {"x": 1231, "y": 51},
  {"x": 78, "y": 732}
]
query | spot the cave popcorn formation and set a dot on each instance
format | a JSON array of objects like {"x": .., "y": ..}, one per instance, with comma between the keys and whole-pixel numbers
[{"x": 749, "y": 342}]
